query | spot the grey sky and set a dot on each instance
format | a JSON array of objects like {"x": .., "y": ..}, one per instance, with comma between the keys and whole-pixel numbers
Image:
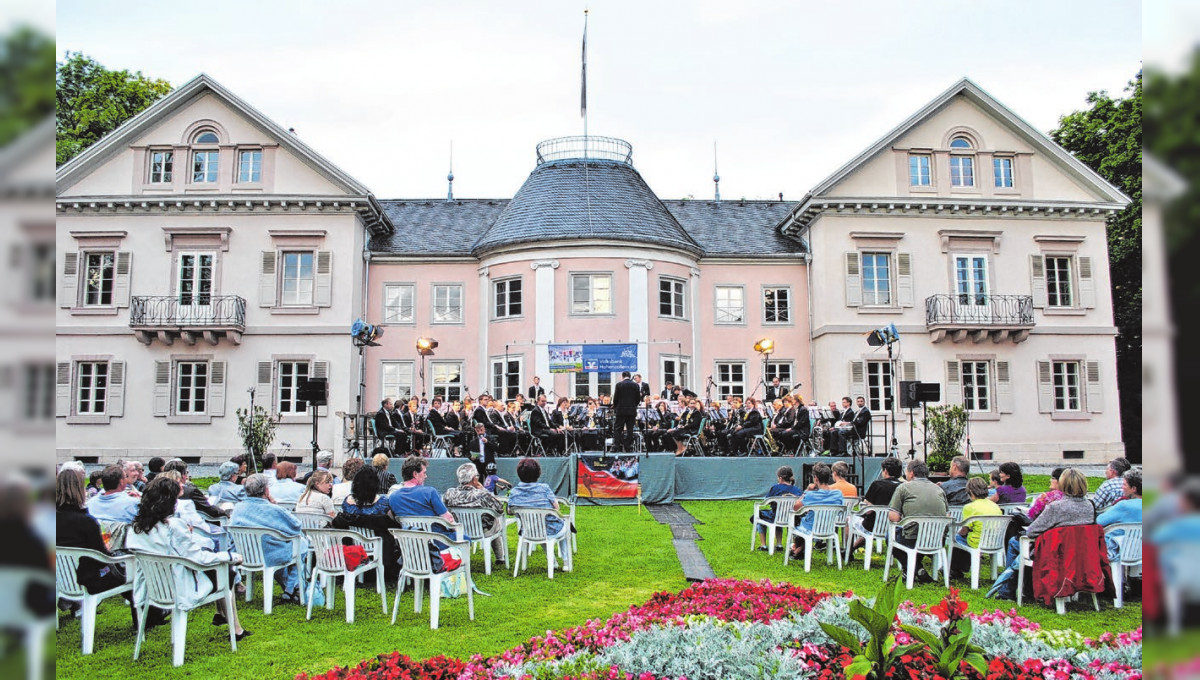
[{"x": 789, "y": 90}]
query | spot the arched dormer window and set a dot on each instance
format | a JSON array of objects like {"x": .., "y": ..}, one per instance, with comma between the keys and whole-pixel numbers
[
  {"x": 961, "y": 142},
  {"x": 962, "y": 165},
  {"x": 205, "y": 156},
  {"x": 206, "y": 137}
]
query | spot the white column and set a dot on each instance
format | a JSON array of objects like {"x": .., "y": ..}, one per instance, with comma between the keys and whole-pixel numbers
[
  {"x": 543, "y": 320},
  {"x": 699, "y": 374},
  {"x": 485, "y": 305},
  {"x": 639, "y": 311}
]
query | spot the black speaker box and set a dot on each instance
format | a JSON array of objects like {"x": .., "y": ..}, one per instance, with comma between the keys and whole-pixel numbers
[
  {"x": 315, "y": 391},
  {"x": 908, "y": 394},
  {"x": 928, "y": 392}
]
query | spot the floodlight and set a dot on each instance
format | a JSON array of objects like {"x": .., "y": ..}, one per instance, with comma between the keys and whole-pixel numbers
[
  {"x": 883, "y": 336},
  {"x": 764, "y": 346},
  {"x": 425, "y": 346},
  {"x": 365, "y": 333}
]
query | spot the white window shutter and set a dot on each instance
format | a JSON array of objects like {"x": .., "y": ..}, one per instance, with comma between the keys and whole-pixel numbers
[
  {"x": 121, "y": 280},
  {"x": 323, "y": 295},
  {"x": 1037, "y": 276},
  {"x": 1087, "y": 285},
  {"x": 1095, "y": 395},
  {"x": 19, "y": 289},
  {"x": 1004, "y": 395},
  {"x": 904, "y": 279},
  {"x": 853, "y": 281},
  {"x": 953, "y": 385},
  {"x": 264, "y": 391},
  {"x": 162, "y": 388},
  {"x": 116, "y": 389},
  {"x": 216, "y": 388},
  {"x": 908, "y": 370},
  {"x": 1045, "y": 388},
  {"x": 267, "y": 280},
  {"x": 320, "y": 369},
  {"x": 8, "y": 394},
  {"x": 858, "y": 380},
  {"x": 68, "y": 287},
  {"x": 62, "y": 389}
]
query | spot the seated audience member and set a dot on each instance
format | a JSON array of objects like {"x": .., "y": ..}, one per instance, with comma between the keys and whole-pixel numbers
[
  {"x": 530, "y": 493},
  {"x": 879, "y": 493},
  {"x": 240, "y": 461},
  {"x": 916, "y": 497},
  {"x": 386, "y": 479},
  {"x": 841, "y": 470},
  {"x": 324, "y": 462},
  {"x": 1047, "y": 498},
  {"x": 1112, "y": 490},
  {"x": 24, "y": 548},
  {"x": 316, "y": 494},
  {"x": 365, "y": 508},
  {"x": 1181, "y": 528},
  {"x": 414, "y": 499},
  {"x": 955, "y": 488},
  {"x": 269, "y": 461},
  {"x": 156, "y": 530},
  {"x": 114, "y": 505},
  {"x": 1127, "y": 510},
  {"x": 286, "y": 489},
  {"x": 191, "y": 493},
  {"x": 258, "y": 511},
  {"x": 1012, "y": 487},
  {"x": 819, "y": 492},
  {"x": 785, "y": 485},
  {"x": 1072, "y": 509},
  {"x": 342, "y": 490},
  {"x": 135, "y": 480},
  {"x": 470, "y": 493},
  {"x": 364, "y": 498},
  {"x": 980, "y": 506},
  {"x": 226, "y": 491},
  {"x": 493, "y": 482},
  {"x": 155, "y": 466},
  {"x": 94, "y": 486}
]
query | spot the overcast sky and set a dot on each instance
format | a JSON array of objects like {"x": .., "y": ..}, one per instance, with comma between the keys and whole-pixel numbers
[{"x": 788, "y": 90}]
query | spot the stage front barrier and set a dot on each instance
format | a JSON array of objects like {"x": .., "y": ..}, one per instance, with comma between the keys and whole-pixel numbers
[
  {"x": 715, "y": 478},
  {"x": 556, "y": 472}
]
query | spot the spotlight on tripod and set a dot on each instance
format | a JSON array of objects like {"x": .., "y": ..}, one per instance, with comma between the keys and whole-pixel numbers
[{"x": 365, "y": 333}]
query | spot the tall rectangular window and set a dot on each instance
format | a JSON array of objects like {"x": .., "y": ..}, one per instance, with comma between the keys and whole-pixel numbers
[
  {"x": 584, "y": 385},
  {"x": 780, "y": 369},
  {"x": 250, "y": 165},
  {"x": 291, "y": 374},
  {"x": 962, "y": 171},
  {"x": 1058, "y": 282},
  {"x": 920, "y": 170},
  {"x": 38, "y": 391},
  {"x": 506, "y": 378},
  {"x": 591, "y": 294},
  {"x": 298, "y": 278},
  {"x": 447, "y": 380},
  {"x": 731, "y": 378},
  {"x": 730, "y": 307},
  {"x": 397, "y": 380},
  {"x": 777, "y": 305},
  {"x": 675, "y": 371},
  {"x": 448, "y": 303},
  {"x": 976, "y": 386},
  {"x": 162, "y": 166},
  {"x": 91, "y": 387},
  {"x": 879, "y": 385},
  {"x": 41, "y": 272},
  {"x": 672, "y": 300},
  {"x": 191, "y": 387},
  {"x": 1002, "y": 170},
  {"x": 1066, "y": 386},
  {"x": 507, "y": 296},
  {"x": 98, "y": 279},
  {"x": 876, "y": 279},
  {"x": 204, "y": 166},
  {"x": 398, "y": 302}
]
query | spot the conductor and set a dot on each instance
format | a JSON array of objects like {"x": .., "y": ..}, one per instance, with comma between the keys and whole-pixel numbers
[{"x": 626, "y": 397}]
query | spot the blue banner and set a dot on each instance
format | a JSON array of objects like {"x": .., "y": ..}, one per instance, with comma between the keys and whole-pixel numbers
[{"x": 592, "y": 358}]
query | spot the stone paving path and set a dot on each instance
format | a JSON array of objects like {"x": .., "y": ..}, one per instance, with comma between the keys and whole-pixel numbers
[{"x": 684, "y": 537}]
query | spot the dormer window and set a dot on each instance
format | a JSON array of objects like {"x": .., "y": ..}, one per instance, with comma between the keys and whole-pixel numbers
[
  {"x": 960, "y": 143},
  {"x": 207, "y": 137},
  {"x": 962, "y": 166},
  {"x": 205, "y": 162}
]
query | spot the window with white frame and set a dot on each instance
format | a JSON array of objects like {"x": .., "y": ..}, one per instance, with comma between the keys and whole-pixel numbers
[
  {"x": 1002, "y": 172},
  {"x": 782, "y": 370},
  {"x": 447, "y": 380},
  {"x": 397, "y": 380},
  {"x": 584, "y": 385},
  {"x": 1066, "y": 386},
  {"x": 398, "y": 302},
  {"x": 204, "y": 166},
  {"x": 1058, "y": 282},
  {"x": 962, "y": 166},
  {"x": 777, "y": 304},
  {"x": 730, "y": 305},
  {"x": 672, "y": 298},
  {"x": 250, "y": 166},
  {"x": 41, "y": 271},
  {"x": 162, "y": 167},
  {"x": 298, "y": 279},
  {"x": 38, "y": 392},
  {"x": 91, "y": 387},
  {"x": 879, "y": 385},
  {"x": 506, "y": 377},
  {"x": 507, "y": 296},
  {"x": 976, "y": 385},
  {"x": 877, "y": 279},
  {"x": 191, "y": 387},
  {"x": 591, "y": 294},
  {"x": 447, "y": 303},
  {"x": 920, "y": 170},
  {"x": 98, "y": 277},
  {"x": 731, "y": 378},
  {"x": 675, "y": 370},
  {"x": 291, "y": 375}
]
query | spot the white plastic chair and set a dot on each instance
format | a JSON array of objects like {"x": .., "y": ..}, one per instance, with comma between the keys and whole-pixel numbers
[
  {"x": 440, "y": 445},
  {"x": 426, "y": 523},
  {"x": 471, "y": 520},
  {"x": 290, "y": 507},
  {"x": 1181, "y": 583},
  {"x": 1013, "y": 508},
  {"x": 826, "y": 519},
  {"x": 955, "y": 513},
  {"x": 248, "y": 542},
  {"x": 784, "y": 511},
  {"x": 66, "y": 567},
  {"x": 931, "y": 540},
  {"x": 991, "y": 542},
  {"x": 532, "y": 532},
  {"x": 312, "y": 520},
  {"x": 15, "y": 616},
  {"x": 1026, "y": 560},
  {"x": 417, "y": 564},
  {"x": 878, "y": 533},
  {"x": 159, "y": 573},
  {"x": 1129, "y": 558},
  {"x": 566, "y": 508},
  {"x": 331, "y": 563}
]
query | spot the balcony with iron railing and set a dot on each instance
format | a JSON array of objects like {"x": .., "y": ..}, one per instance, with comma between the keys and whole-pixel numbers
[
  {"x": 578, "y": 148},
  {"x": 188, "y": 318},
  {"x": 979, "y": 316}
]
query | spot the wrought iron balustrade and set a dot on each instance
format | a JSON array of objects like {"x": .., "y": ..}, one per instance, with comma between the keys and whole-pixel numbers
[
  {"x": 992, "y": 311},
  {"x": 592, "y": 147},
  {"x": 175, "y": 312}
]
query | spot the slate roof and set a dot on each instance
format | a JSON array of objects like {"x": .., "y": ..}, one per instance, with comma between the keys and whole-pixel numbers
[
  {"x": 427, "y": 226},
  {"x": 736, "y": 227},
  {"x": 552, "y": 204}
]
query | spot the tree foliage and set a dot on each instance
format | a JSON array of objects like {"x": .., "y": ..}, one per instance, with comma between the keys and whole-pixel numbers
[
  {"x": 93, "y": 100},
  {"x": 1107, "y": 137},
  {"x": 26, "y": 58}
]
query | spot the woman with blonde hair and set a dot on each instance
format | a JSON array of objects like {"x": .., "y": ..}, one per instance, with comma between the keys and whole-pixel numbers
[
  {"x": 386, "y": 479},
  {"x": 316, "y": 498}
]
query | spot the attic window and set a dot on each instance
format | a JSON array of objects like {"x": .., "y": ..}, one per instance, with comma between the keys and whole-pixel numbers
[
  {"x": 960, "y": 143},
  {"x": 206, "y": 137}
]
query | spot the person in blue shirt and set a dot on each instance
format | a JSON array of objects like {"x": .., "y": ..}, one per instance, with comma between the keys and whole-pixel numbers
[
  {"x": 1128, "y": 510},
  {"x": 113, "y": 505},
  {"x": 258, "y": 511},
  {"x": 414, "y": 499},
  {"x": 819, "y": 492},
  {"x": 785, "y": 485},
  {"x": 530, "y": 493}
]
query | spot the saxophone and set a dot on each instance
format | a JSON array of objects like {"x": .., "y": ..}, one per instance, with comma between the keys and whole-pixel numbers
[{"x": 771, "y": 444}]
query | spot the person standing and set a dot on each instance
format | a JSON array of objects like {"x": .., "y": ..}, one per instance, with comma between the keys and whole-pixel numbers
[
  {"x": 643, "y": 387},
  {"x": 626, "y": 397},
  {"x": 536, "y": 390}
]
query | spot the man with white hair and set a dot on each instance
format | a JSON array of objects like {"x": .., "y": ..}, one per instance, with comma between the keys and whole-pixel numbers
[
  {"x": 470, "y": 493},
  {"x": 135, "y": 480},
  {"x": 286, "y": 489},
  {"x": 226, "y": 491},
  {"x": 259, "y": 511},
  {"x": 324, "y": 462}
]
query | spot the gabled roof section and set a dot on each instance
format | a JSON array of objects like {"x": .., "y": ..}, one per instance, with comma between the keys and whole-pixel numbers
[
  {"x": 23, "y": 163},
  {"x": 737, "y": 228},
  {"x": 433, "y": 227}
]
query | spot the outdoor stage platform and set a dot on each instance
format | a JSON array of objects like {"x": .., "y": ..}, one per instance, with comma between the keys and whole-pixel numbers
[{"x": 664, "y": 477}]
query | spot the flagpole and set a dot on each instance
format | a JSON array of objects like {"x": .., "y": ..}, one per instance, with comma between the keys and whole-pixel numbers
[{"x": 587, "y": 191}]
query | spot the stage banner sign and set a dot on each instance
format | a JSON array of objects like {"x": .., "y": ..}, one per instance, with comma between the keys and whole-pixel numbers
[
  {"x": 608, "y": 477},
  {"x": 566, "y": 358},
  {"x": 592, "y": 358}
]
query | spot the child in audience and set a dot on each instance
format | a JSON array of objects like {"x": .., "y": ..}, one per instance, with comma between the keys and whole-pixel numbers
[{"x": 785, "y": 485}]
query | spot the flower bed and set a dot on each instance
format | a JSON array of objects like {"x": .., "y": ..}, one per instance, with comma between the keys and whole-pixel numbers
[{"x": 723, "y": 629}]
